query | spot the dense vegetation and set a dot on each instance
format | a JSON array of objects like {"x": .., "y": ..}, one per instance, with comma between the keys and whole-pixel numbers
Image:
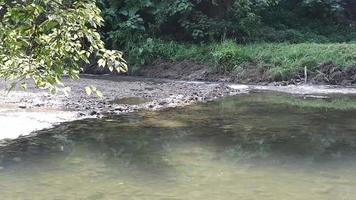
[
  {"x": 283, "y": 36},
  {"x": 45, "y": 40},
  {"x": 242, "y": 20},
  {"x": 281, "y": 61}
]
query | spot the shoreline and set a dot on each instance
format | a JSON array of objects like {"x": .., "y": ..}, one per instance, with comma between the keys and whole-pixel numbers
[
  {"x": 37, "y": 109},
  {"x": 23, "y": 112}
]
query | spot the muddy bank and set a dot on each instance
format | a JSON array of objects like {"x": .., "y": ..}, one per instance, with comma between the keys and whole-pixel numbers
[
  {"x": 325, "y": 74},
  {"x": 35, "y": 109}
]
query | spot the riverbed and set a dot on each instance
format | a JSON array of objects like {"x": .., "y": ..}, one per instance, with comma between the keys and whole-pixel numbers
[{"x": 261, "y": 145}]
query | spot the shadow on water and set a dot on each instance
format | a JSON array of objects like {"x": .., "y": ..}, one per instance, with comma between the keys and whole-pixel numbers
[{"x": 262, "y": 129}]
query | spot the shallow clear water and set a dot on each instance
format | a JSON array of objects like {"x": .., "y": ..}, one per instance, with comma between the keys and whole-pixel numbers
[{"x": 260, "y": 146}]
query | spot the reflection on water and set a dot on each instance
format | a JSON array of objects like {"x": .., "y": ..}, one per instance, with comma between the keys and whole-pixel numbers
[{"x": 248, "y": 147}]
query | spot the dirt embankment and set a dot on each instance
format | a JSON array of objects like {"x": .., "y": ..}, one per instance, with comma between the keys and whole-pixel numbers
[{"x": 326, "y": 73}]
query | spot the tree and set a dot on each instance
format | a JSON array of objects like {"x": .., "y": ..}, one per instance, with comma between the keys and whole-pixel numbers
[
  {"x": 44, "y": 40},
  {"x": 127, "y": 21}
]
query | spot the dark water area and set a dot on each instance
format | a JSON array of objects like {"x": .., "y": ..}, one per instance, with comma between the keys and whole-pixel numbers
[{"x": 258, "y": 146}]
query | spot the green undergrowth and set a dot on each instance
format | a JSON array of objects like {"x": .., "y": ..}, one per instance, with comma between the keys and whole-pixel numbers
[{"x": 281, "y": 61}]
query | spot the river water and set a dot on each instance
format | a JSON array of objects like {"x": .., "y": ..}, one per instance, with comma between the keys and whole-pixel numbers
[{"x": 259, "y": 146}]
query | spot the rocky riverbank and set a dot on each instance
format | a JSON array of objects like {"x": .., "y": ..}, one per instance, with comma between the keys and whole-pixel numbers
[{"x": 22, "y": 112}]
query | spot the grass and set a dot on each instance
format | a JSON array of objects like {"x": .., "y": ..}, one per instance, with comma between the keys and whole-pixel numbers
[{"x": 282, "y": 61}]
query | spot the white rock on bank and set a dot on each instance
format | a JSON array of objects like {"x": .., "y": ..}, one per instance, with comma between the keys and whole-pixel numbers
[{"x": 14, "y": 123}]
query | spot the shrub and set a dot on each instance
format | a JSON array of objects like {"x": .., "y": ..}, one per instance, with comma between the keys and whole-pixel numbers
[
  {"x": 282, "y": 61},
  {"x": 228, "y": 55}
]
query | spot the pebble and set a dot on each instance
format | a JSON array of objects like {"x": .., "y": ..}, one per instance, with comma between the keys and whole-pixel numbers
[
  {"x": 81, "y": 114},
  {"x": 118, "y": 109},
  {"x": 162, "y": 103},
  {"x": 93, "y": 113}
]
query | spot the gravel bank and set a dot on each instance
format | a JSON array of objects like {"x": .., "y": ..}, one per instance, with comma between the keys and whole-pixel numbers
[{"x": 22, "y": 112}]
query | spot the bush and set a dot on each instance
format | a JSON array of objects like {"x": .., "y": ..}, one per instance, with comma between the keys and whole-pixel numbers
[
  {"x": 295, "y": 21},
  {"x": 285, "y": 61},
  {"x": 282, "y": 61},
  {"x": 228, "y": 55}
]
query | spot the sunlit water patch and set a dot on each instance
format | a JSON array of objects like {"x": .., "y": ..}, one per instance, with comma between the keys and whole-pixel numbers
[{"x": 260, "y": 146}]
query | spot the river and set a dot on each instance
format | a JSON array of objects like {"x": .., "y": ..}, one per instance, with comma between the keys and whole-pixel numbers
[{"x": 262, "y": 145}]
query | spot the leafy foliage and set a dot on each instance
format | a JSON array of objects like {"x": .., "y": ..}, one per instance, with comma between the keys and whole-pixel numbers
[
  {"x": 177, "y": 30},
  {"x": 196, "y": 20},
  {"x": 45, "y": 40},
  {"x": 282, "y": 61},
  {"x": 129, "y": 22}
]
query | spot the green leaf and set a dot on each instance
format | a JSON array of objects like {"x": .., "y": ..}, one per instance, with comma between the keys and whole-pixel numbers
[
  {"x": 99, "y": 94},
  {"x": 101, "y": 62},
  {"x": 88, "y": 90},
  {"x": 46, "y": 40},
  {"x": 24, "y": 86}
]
